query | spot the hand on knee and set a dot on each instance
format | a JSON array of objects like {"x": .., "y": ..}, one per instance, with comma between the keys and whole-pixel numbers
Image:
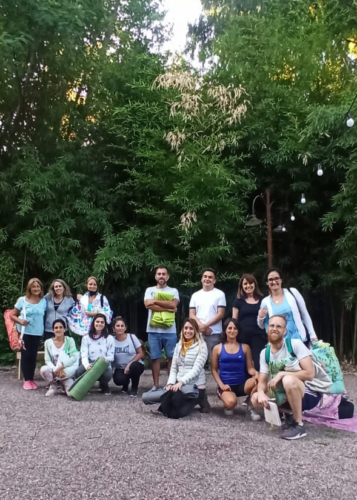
[{"x": 290, "y": 383}]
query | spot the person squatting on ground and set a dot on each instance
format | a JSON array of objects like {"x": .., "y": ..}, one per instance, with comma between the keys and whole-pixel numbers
[
  {"x": 245, "y": 309},
  {"x": 289, "y": 303},
  {"x": 187, "y": 368},
  {"x": 59, "y": 305},
  {"x": 161, "y": 328},
  {"x": 291, "y": 379},
  {"x": 98, "y": 344},
  {"x": 128, "y": 362},
  {"x": 61, "y": 358},
  {"x": 207, "y": 308},
  {"x": 29, "y": 313},
  {"x": 230, "y": 362}
]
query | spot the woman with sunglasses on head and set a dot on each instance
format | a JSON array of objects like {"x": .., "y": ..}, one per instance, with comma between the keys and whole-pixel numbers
[
  {"x": 59, "y": 304},
  {"x": 61, "y": 358},
  {"x": 88, "y": 306},
  {"x": 245, "y": 309},
  {"x": 287, "y": 302},
  {"x": 98, "y": 344}
]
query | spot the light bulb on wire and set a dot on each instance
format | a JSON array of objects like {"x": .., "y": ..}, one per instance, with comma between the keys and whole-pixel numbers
[
  {"x": 283, "y": 228},
  {"x": 349, "y": 120},
  {"x": 320, "y": 172},
  {"x": 292, "y": 217},
  {"x": 303, "y": 199}
]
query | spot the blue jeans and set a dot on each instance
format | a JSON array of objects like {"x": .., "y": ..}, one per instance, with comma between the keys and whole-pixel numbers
[{"x": 159, "y": 341}]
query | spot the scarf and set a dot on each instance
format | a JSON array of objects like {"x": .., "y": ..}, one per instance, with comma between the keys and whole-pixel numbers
[{"x": 186, "y": 345}]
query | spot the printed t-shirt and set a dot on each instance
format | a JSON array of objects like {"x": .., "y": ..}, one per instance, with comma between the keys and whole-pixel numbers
[{"x": 125, "y": 350}]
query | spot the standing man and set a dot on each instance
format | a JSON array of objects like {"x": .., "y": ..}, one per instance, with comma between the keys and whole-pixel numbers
[
  {"x": 207, "y": 307},
  {"x": 163, "y": 336}
]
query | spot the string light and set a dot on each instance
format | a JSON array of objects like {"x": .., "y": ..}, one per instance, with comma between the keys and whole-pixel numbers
[
  {"x": 320, "y": 172},
  {"x": 292, "y": 217},
  {"x": 303, "y": 199}
]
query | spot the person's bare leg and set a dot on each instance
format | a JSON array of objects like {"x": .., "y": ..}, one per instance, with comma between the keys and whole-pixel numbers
[
  {"x": 169, "y": 362},
  {"x": 295, "y": 390},
  {"x": 155, "y": 368},
  {"x": 229, "y": 400}
]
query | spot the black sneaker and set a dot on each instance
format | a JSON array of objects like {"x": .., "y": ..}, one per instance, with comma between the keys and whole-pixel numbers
[
  {"x": 295, "y": 431},
  {"x": 133, "y": 393},
  {"x": 105, "y": 390},
  {"x": 289, "y": 420}
]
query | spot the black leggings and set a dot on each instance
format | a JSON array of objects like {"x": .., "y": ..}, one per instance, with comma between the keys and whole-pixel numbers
[
  {"x": 135, "y": 371},
  {"x": 29, "y": 355}
]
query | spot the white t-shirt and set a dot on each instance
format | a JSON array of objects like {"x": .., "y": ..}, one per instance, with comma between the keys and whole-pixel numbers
[
  {"x": 125, "y": 350},
  {"x": 207, "y": 304},
  {"x": 150, "y": 294},
  {"x": 300, "y": 351},
  {"x": 56, "y": 353}
]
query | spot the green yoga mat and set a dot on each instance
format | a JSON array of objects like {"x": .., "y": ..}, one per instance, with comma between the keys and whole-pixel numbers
[{"x": 86, "y": 381}]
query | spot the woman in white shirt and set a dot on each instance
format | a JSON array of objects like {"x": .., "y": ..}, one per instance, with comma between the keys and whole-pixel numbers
[
  {"x": 128, "y": 358},
  {"x": 98, "y": 344},
  {"x": 61, "y": 358}
]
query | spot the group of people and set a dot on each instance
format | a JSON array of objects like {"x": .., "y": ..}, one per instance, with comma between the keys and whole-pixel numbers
[{"x": 237, "y": 349}]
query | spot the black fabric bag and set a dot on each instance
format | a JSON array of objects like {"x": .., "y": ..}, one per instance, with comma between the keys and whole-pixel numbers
[{"x": 177, "y": 404}]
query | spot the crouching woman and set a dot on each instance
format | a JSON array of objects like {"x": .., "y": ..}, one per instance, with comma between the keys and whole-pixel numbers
[
  {"x": 98, "y": 344},
  {"x": 231, "y": 363},
  {"x": 187, "y": 370},
  {"x": 61, "y": 358}
]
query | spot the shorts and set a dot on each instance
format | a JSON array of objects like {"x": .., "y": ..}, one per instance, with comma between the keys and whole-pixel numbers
[
  {"x": 309, "y": 401},
  {"x": 160, "y": 341},
  {"x": 238, "y": 390}
]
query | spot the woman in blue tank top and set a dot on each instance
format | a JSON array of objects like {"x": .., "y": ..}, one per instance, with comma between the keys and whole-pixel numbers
[{"x": 230, "y": 363}]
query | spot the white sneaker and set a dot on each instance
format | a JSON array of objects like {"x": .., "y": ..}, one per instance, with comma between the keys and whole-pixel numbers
[
  {"x": 51, "y": 391},
  {"x": 154, "y": 388},
  {"x": 227, "y": 412},
  {"x": 253, "y": 414}
]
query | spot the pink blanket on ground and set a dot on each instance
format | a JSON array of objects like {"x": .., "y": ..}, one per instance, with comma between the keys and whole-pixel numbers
[{"x": 326, "y": 413}]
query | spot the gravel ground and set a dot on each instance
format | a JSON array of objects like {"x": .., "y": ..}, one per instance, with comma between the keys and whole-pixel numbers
[{"x": 115, "y": 447}]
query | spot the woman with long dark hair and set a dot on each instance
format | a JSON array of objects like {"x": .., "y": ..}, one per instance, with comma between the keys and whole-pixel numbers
[
  {"x": 245, "y": 309},
  {"x": 29, "y": 313},
  {"x": 231, "y": 360},
  {"x": 98, "y": 344}
]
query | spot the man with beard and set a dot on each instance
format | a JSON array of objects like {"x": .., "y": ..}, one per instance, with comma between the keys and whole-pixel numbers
[{"x": 161, "y": 338}]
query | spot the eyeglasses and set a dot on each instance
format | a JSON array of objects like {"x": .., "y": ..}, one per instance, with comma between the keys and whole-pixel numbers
[
  {"x": 276, "y": 327},
  {"x": 271, "y": 280}
]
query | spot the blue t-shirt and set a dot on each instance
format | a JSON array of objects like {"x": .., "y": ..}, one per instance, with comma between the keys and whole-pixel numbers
[
  {"x": 34, "y": 314},
  {"x": 150, "y": 294},
  {"x": 284, "y": 309}
]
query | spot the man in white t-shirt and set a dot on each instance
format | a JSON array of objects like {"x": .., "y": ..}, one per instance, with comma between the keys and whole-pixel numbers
[
  {"x": 291, "y": 385},
  {"x": 166, "y": 337},
  {"x": 207, "y": 307}
]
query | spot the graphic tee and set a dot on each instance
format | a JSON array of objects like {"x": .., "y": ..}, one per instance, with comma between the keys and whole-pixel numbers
[
  {"x": 150, "y": 294},
  {"x": 125, "y": 351}
]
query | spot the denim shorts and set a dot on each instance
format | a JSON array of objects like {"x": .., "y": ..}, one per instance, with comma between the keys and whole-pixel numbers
[{"x": 159, "y": 341}]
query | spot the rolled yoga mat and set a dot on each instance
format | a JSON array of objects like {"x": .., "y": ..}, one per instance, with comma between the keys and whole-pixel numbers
[{"x": 86, "y": 381}]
